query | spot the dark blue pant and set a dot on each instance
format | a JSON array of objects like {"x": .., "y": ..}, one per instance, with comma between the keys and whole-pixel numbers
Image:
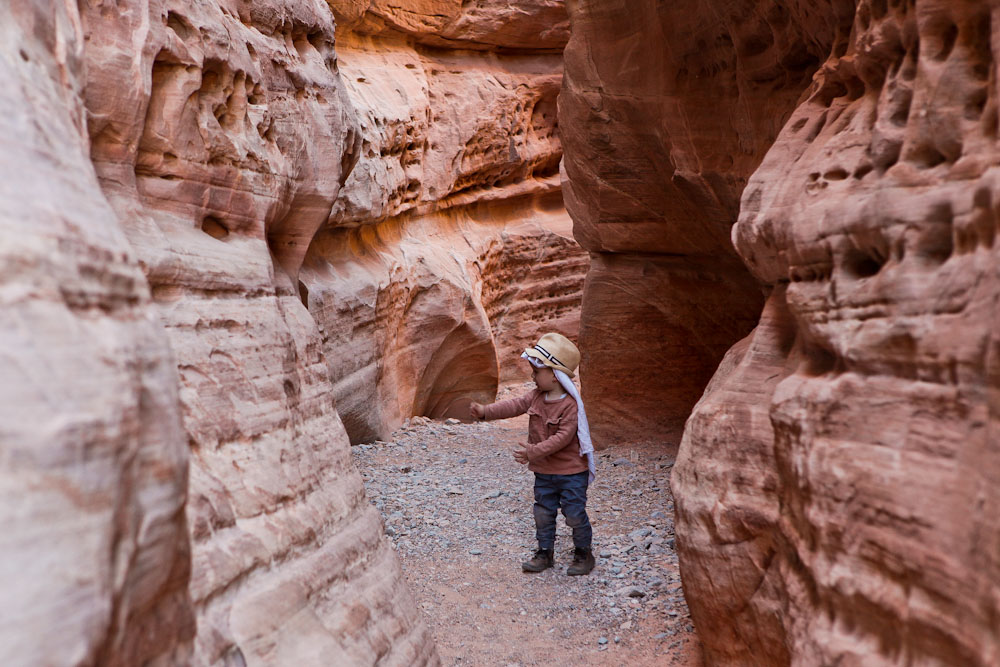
[{"x": 570, "y": 493}]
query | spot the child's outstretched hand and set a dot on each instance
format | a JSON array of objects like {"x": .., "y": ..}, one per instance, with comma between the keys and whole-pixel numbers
[
  {"x": 477, "y": 410},
  {"x": 521, "y": 453}
]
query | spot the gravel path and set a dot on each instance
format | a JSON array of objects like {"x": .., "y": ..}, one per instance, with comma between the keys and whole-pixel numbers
[{"x": 457, "y": 508}]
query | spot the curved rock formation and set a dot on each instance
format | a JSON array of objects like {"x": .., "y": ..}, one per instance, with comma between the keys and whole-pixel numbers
[
  {"x": 96, "y": 557},
  {"x": 449, "y": 248},
  {"x": 221, "y": 135},
  {"x": 837, "y": 496},
  {"x": 665, "y": 112}
]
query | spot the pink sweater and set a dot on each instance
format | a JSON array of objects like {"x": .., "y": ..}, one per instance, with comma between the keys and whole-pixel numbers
[{"x": 553, "y": 448}]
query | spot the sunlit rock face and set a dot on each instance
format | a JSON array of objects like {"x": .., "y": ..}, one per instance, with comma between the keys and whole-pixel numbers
[
  {"x": 221, "y": 134},
  {"x": 449, "y": 249},
  {"x": 665, "y": 111},
  {"x": 837, "y": 495},
  {"x": 94, "y": 546}
]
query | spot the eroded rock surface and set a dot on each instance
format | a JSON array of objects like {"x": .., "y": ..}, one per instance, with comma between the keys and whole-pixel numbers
[
  {"x": 449, "y": 248},
  {"x": 94, "y": 543},
  {"x": 221, "y": 134},
  {"x": 665, "y": 112},
  {"x": 839, "y": 475}
]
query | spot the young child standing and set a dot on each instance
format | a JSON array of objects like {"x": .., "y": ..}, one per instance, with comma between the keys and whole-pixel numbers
[{"x": 558, "y": 450}]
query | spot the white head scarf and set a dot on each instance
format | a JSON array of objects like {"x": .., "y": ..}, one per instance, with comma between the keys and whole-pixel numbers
[{"x": 582, "y": 426}]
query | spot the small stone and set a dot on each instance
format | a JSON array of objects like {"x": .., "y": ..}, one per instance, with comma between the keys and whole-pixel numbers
[
  {"x": 602, "y": 641},
  {"x": 639, "y": 534},
  {"x": 632, "y": 592},
  {"x": 495, "y": 493},
  {"x": 621, "y": 462},
  {"x": 617, "y": 639},
  {"x": 658, "y": 515},
  {"x": 662, "y": 635},
  {"x": 476, "y": 552},
  {"x": 452, "y": 420},
  {"x": 606, "y": 553}
]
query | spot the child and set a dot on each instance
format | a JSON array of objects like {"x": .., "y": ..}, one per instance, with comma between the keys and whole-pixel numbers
[{"x": 558, "y": 450}]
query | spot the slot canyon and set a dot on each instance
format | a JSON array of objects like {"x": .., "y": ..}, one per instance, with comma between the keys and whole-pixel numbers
[{"x": 246, "y": 245}]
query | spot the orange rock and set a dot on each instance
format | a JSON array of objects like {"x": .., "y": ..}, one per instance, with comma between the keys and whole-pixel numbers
[
  {"x": 449, "y": 248},
  {"x": 843, "y": 474},
  {"x": 96, "y": 558},
  {"x": 222, "y": 138},
  {"x": 664, "y": 113}
]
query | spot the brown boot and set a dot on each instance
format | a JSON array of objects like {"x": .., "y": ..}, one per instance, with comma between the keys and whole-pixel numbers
[
  {"x": 583, "y": 562},
  {"x": 542, "y": 560}
]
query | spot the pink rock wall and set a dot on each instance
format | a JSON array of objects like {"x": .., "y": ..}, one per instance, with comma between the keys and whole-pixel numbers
[
  {"x": 665, "y": 112},
  {"x": 449, "y": 249},
  {"x": 96, "y": 558},
  {"x": 169, "y": 166},
  {"x": 837, "y": 496},
  {"x": 221, "y": 134}
]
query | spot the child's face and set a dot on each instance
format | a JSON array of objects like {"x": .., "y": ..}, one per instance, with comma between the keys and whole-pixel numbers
[{"x": 544, "y": 378}]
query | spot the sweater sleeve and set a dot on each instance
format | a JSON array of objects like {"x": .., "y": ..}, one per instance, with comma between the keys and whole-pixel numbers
[
  {"x": 561, "y": 438},
  {"x": 512, "y": 407}
]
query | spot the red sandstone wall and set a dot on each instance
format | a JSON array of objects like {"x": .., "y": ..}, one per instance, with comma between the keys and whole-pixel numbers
[
  {"x": 180, "y": 482},
  {"x": 93, "y": 457},
  {"x": 178, "y": 485},
  {"x": 449, "y": 249},
  {"x": 837, "y": 483},
  {"x": 666, "y": 110}
]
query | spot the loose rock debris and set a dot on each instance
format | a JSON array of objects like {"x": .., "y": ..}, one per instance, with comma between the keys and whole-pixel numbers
[{"x": 457, "y": 508}]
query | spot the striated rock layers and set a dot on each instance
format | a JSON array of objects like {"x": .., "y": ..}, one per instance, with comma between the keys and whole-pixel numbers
[
  {"x": 449, "y": 249},
  {"x": 94, "y": 543},
  {"x": 837, "y": 483},
  {"x": 221, "y": 135},
  {"x": 666, "y": 110}
]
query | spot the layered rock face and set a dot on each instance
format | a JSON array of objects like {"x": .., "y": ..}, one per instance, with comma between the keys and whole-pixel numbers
[
  {"x": 95, "y": 551},
  {"x": 169, "y": 167},
  {"x": 449, "y": 249},
  {"x": 221, "y": 135},
  {"x": 665, "y": 112},
  {"x": 837, "y": 496}
]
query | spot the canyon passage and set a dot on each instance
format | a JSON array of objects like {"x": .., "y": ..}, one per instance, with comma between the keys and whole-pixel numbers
[{"x": 257, "y": 256}]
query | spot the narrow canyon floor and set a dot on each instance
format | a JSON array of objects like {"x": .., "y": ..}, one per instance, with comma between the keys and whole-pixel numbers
[{"x": 457, "y": 508}]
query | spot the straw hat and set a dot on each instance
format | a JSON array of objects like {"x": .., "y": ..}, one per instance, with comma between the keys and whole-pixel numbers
[{"x": 556, "y": 351}]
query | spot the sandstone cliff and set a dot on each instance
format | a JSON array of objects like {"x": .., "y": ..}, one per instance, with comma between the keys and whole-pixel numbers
[
  {"x": 837, "y": 483},
  {"x": 187, "y": 297},
  {"x": 449, "y": 249},
  {"x": 94, "y": 543},
  {"x": 194, "y": 468},
  {"x": 665, "y": 112}
]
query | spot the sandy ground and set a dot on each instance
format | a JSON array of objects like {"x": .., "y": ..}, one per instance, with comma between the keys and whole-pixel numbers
[{"x": 458, "y": 510}]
